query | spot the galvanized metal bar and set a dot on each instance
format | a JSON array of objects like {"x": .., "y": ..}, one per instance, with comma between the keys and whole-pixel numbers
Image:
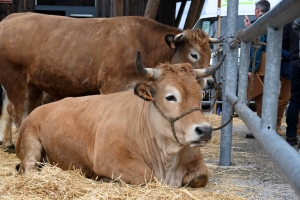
[
  {"x": 230, "y": 82},
  {"x": 283, "y": 13},
  {"x": 243, "y": 72},
  {"x": 220, "y": 72},
  {"x": 285, "y": 157},
  {"x": 213, "y": 92},
  {"x": 272, "y": 79}
]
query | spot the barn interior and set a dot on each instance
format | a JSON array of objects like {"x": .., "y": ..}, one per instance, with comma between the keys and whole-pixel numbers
[{"x": 163, "y": 11}]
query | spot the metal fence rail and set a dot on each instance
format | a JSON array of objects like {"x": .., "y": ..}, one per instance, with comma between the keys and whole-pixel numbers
[{"x": 286, "y": 159}]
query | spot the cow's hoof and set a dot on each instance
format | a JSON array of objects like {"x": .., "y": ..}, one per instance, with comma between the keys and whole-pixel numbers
[
  {"x": 105, "y": 180},
  {"x": 10, "y": 149},
  {"x": 199, "y": 181},
  {"x": 18, "y": 166}
]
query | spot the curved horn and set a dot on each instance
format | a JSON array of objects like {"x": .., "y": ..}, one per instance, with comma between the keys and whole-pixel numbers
[
  {"x": 215, "y": 40},
  {"x": 201, "y": 73},
  {"x": 180, "y": 37},
  {"x": 145, "y": 72}
]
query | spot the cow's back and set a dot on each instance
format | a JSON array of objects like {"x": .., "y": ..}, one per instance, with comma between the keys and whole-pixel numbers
[{"x": 72, "y": 57}]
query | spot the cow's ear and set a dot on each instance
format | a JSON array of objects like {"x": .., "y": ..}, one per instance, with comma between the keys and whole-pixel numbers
[
  {"x": 169, "y": 38},
  {"x": 145, "y": 91}
]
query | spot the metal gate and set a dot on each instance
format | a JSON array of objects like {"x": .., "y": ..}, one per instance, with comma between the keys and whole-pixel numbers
[{"x": 286, "y": 159}]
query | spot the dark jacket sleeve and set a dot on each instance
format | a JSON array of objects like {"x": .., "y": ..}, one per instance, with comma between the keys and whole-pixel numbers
[
  {"x": 285, "y": 64},
  {"x": 286, "y": 37},
  {"x": 285, "y": 55},
  {"x": 296, "y": 26}
]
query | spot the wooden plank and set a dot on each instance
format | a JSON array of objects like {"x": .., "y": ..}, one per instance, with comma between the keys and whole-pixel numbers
[
  {"x": 191, "y": 17},
  {"x": 104, "y": 8},
  {"x": 98, "y": 8},
  {"x": 6, "y": 1},
  {"x": 126, "y": 7},
  {"x": 117, "y": 8},
  {"x": 199, "y": 10},
  {"x": 151, "y": 8},
  {"x": 30, "y": 5},
  {"x": 166, "y": 13},
  {"x": 25, "y": 6}
]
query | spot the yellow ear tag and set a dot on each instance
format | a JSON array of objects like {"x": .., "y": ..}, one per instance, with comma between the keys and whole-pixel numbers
[{"x": 173, "y": 45}]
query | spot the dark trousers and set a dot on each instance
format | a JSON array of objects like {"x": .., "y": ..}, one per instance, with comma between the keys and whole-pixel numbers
[{"x": 294, "y": 105}]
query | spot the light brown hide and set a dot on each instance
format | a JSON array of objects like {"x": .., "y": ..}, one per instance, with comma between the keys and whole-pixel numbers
[
  {"x": 122, "y": 135},
  {"x": 68, "y": 57}
]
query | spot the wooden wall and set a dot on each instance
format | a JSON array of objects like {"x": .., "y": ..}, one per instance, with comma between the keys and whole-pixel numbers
[
  {"x": 165, "y": 13},
  {"x": 6, "y": 9},
  {"x": 130, "y": 8}
]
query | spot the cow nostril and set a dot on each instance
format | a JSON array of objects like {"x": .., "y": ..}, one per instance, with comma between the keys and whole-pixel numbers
[
  {"x": 199, "y": 131},
  {"x": 204, "y": 132},
  {"x": 210, "y": 84}
]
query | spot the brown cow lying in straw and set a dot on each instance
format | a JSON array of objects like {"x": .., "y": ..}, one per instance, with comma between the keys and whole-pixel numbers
[{"x": 126, "y": 134}]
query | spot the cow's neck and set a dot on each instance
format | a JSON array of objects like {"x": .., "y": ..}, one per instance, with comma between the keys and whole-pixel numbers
[
  {"x": 163, "y": 152},
  {"x": 177, "y": 58},
  {"x": 169, "y": 154},
  {"x": 166, "y": 53}
]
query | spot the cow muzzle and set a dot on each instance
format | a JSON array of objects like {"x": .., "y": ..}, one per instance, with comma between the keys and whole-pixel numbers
[{"x": 204, "y": 133}]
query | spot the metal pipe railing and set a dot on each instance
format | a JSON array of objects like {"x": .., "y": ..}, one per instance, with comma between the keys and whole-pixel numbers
[
  {"x": 286, "y": 159},
  {"x": 283, "y": 13}
]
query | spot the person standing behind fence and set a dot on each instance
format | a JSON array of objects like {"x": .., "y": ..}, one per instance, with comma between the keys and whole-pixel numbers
[
  {"x": 291, "y": 41},
  {"x": 285, "y": 88},
  {"x": 296, "y": 28},
  {"x": 261, "y": 7}
]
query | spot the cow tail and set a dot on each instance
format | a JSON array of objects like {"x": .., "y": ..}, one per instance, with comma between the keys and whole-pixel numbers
[{"x": 2, "y": 98}]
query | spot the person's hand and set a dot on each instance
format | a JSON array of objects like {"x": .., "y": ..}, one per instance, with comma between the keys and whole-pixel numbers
[
  {"x": 250, "y": 75},
  {"x": 247, "y": 21}
]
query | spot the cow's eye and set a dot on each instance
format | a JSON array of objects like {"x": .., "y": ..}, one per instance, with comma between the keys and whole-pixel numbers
[
  {"x": 171, "y": 98},
  {"x": 194, "y": 56}
]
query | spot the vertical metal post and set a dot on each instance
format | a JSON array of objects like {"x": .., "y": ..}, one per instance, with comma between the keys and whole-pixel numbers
[
  {"x": 243, "y": 72},
  {"x": 230, "y": 82},
  {"x": 272, "y": 79},
  {"x": 212, "y": 92}
]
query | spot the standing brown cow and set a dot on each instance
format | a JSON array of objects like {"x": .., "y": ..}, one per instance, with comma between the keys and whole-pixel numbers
[{"x": 68, "y": 57}]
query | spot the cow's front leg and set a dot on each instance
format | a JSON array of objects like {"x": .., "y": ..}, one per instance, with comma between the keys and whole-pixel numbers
[
  {"x": 197, "y": 174},
  {"x": 17, "y": 106},
  {"x": 5, "y": 126},
  {"x": 130, "y": 170},
  {"x": 35, "y": 98}
]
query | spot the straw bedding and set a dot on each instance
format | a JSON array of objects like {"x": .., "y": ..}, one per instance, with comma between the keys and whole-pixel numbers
[{"x": 225, "y": 182}]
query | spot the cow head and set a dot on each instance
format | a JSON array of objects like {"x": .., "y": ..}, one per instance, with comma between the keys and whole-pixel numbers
[
  {"x": 192, "y": 46},
  {"x": 176, "y": 97}
]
